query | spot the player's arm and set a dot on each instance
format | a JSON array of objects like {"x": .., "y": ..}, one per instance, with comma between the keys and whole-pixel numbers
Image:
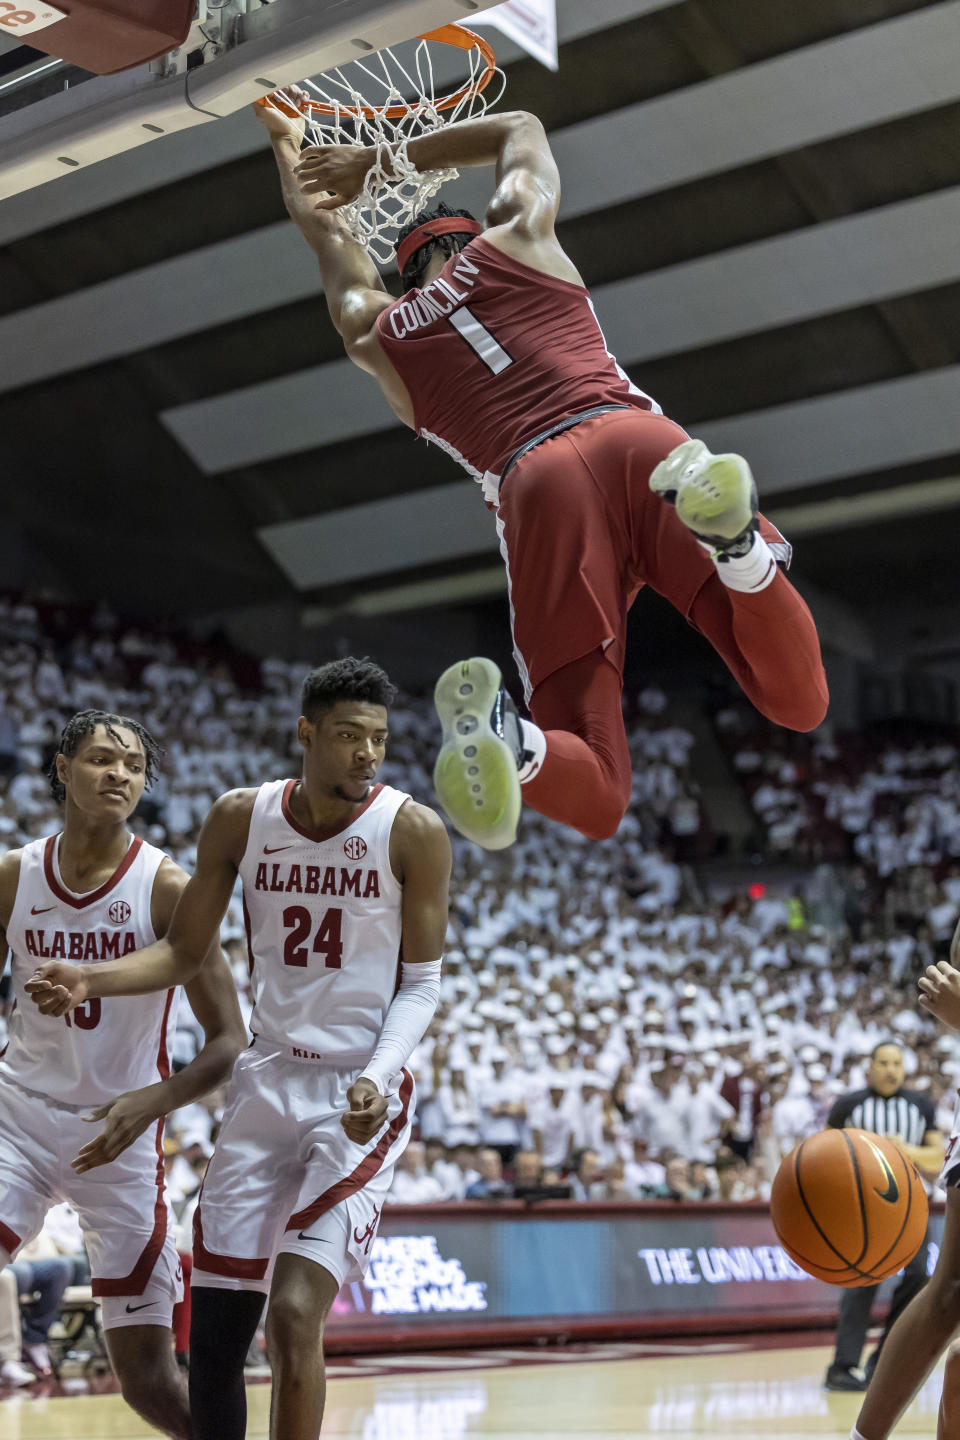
[
  {"x": 9, "y": 880},
  {"x": 420, "y": 858},
  {"x": 213, "y": 999},
  {"x": 352, "y": 285},
  {"x": 174, "y": 960},
  {"x": 927, "y": 1157},
  {"x": 527, "y": 196}
]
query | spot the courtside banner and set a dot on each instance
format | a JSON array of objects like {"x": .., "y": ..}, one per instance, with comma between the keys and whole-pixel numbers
[{"x": 466, "y": 1272}]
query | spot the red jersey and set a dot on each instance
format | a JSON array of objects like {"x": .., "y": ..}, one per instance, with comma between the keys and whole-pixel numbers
[{"x": 493, "y": 352}]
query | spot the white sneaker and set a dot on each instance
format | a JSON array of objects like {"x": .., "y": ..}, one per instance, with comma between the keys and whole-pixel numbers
[
  {"x": 715, "y": 495},
  {"x": 476, "y": 775},
  {"x": 13, "y": 1373}
]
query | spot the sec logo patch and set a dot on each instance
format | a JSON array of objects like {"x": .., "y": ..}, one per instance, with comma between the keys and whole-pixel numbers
[
  {"x": 354, "y": 848},
  {"x": 119, "y": 912}
]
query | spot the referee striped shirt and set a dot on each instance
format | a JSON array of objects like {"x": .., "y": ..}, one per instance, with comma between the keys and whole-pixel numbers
[{"x": 908, "y": 1114}]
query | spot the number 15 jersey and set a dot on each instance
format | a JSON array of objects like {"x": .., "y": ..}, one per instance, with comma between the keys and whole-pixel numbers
[{"x": 323, "y": 917}]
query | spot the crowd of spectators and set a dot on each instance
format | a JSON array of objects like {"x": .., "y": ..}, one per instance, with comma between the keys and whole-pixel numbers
[{"x": 609, "y": 1027}]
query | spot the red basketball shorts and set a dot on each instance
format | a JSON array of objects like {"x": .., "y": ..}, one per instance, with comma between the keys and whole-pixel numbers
[{"x": 581, "y": 533}]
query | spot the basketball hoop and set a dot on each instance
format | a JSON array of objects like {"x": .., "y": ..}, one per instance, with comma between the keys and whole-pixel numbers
[{"x": 343, "y": 109}]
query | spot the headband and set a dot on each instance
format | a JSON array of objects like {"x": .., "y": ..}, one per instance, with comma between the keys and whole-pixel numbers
[{"x": 430, "y": 230}]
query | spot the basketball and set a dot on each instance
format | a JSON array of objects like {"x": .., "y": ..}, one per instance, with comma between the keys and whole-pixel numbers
[{"x": 849, "y": 1207}]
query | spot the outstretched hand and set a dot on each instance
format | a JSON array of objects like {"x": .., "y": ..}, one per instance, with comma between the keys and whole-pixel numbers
[
  {"x": 940, "y": 993},
  {"x": 57, "y": 987},
  {"x": 368, "y": 1110},
  {"x": 126, "y": 1118},
  {"x": 335, "y": 171}
]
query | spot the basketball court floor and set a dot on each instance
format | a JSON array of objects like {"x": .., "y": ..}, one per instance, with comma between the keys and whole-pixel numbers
[{"x": 629, "y": 1390}]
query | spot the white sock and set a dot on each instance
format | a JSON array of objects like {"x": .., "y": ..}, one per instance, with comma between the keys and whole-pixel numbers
[
  {"x": 535, "y": 742},
  {"x": 746, "y": 573},
  {"x": 855, "y": 1434}
]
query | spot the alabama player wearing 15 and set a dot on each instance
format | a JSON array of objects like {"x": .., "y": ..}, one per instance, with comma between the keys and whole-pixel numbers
[
  {"x": 96, "y": 892},
  {"x": 341, "y": 877},
  {"x": 494, "y": 353}
]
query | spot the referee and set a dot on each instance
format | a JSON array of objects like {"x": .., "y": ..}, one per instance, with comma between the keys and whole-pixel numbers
[{"x": 906, "y": 1116}]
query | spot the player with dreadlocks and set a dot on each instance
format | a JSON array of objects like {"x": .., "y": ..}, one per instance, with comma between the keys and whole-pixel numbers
[
  {"x": 96, "y": 891},
  {"x": 495, "y": 355}
]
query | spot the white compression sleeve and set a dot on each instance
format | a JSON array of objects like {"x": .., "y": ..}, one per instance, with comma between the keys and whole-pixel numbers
[{"x": 409, "y": 1013}]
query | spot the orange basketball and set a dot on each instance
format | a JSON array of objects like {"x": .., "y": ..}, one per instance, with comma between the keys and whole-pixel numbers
[{"x": 849, "y": 1207}]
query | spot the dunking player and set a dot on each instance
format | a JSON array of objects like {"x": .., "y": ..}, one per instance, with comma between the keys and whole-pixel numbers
[
  {"x": 931, "y": 1320},
  {"x": 96, "y": 892},
  {"x": 495, "y": 354},
  {"x": 338, "y": 873}
]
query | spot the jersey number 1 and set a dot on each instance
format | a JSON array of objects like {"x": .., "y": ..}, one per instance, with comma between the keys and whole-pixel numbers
[
  {"x": 481, "y": 342},
  {"x": 327, "y": 941}
]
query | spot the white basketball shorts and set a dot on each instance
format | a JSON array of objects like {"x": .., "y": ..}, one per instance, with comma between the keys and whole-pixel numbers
[
  {"x": 285, "y": 1179},
  {"x": 127, "y": 1230}
]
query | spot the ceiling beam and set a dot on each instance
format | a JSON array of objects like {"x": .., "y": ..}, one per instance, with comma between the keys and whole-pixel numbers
[{"x": 826, "y": 197}]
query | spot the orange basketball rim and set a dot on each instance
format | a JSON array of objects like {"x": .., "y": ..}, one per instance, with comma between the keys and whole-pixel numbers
[{"x": 457, "y": 35}]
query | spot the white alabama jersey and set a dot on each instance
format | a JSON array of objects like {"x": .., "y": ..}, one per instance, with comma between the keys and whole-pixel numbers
[
  {"x": 104, "y": 1046},
  {"x": 323, "y": 921}
]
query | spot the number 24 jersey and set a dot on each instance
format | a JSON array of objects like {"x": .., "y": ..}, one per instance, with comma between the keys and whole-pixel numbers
[{"x": 323, "y": 918}]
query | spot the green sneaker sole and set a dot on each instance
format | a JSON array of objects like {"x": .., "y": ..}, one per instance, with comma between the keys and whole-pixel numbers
[
  {"x": 475, "y": 776},
  {"x": 720, "y": 502}
]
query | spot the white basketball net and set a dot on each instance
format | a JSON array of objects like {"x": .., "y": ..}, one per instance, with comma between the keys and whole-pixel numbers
[{"x": 394, "y": 191}]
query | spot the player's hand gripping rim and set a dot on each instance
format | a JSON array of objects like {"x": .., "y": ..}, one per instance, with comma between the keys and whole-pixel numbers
[
  {"x": 57, "y": 987},
  {"x": 940, "y": 993},
  {"x": 278, "y": 124},
  {"x": 368, "y": 1111}
]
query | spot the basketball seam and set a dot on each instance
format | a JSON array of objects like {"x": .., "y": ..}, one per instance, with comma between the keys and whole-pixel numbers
[{"x": 856, "y": 1265}]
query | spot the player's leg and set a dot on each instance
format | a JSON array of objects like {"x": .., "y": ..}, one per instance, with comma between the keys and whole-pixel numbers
[
  {"x": 222, "y": 1326},
  {"x": 246, "y": 1198},
  {"x": 328, "y": 1238},
  {"x": 150, "y": 1379},
  {"x": 769, "y": 643},
  {"x": 585, "y": 778},
  {"x": 948, "y": 1421},
  {"x": 300, "y": 1300},
  {"x": 135, "y": 1272},
  {"x": 565, "y": 537},
  {"x": 918, "y": 1338},
  {"x": 744, "y": 605},
  {"x": 911, "y": 1282}
]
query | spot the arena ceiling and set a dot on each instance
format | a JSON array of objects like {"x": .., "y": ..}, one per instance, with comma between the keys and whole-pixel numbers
[{"x": 764, "y": 197}]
